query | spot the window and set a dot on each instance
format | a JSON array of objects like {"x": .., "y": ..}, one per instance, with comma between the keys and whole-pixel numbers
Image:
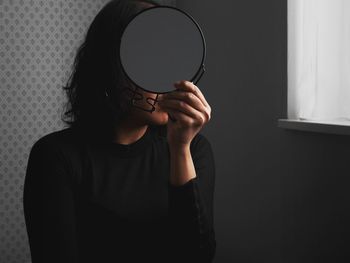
[{"x": 319, "y": 61}]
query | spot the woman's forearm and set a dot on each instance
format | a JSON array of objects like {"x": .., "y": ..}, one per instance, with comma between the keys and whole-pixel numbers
[{"x": 181, "y": 164}]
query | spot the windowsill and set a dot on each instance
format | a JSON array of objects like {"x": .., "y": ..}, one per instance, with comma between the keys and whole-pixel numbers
[{"x": 341, "y": 128}]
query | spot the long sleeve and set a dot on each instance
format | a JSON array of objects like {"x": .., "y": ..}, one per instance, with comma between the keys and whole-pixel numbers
[
  {"x": 49, "y": 206},
  {"x": 191, "y": 209}
]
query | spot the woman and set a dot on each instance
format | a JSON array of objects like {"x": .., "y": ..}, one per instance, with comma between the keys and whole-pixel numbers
[{"x": 121, "y": 184}]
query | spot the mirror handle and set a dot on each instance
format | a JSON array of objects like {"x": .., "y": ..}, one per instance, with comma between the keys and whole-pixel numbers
[{"x": 199, "y": 75}]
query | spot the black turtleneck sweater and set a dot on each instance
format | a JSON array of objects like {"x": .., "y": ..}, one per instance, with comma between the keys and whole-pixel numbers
[{"x": 87, "y": 201}]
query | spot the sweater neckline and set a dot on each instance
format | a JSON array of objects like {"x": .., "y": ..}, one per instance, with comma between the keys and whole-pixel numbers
[{"x": 135, "y": 148}]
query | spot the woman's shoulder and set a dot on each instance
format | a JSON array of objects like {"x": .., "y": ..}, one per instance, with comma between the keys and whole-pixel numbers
[
  {"x": 56, "y": 151},
  {"x": 55, "y": 155},
  {"x": 57, "y": 142},
  {"x": 62, "y": 137}
]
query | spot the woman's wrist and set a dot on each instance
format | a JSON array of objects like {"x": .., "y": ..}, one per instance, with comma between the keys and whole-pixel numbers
[{"x": 178, "y": 148}]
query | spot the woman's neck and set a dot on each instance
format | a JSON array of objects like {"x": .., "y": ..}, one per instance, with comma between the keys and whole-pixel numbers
[{"x": 129, "y": 132}]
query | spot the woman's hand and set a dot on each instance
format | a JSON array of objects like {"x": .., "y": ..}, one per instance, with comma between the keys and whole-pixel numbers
[{"x": 189, "y": 108}]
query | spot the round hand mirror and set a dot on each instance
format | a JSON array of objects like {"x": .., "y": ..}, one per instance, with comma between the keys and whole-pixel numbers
[{"x": 162, "y": 45}]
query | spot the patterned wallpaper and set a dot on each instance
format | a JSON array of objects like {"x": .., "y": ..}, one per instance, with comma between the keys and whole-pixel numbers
[{"x": 38, "y": 40}]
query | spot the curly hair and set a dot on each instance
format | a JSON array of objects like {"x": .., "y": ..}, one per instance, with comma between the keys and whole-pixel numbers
[{"x": 97, "y": 71}]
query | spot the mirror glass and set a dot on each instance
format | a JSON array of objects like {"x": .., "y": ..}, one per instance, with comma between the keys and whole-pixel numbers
[{"x": 162, "y": 45}]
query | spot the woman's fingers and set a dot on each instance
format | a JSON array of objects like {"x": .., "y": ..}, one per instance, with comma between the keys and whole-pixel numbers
[
  {"x": 187, "y": 97},
  {"x": 180, "y": 106},
  {"x": 184, "y": 118},
  {"x": 189, "y": 86},
  {"x": 191, "y": 94}
]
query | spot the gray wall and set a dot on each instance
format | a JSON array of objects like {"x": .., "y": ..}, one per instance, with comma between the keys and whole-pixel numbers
[
  {"x": 281, "y": 196},
  {"x": 38, "y": 40}
]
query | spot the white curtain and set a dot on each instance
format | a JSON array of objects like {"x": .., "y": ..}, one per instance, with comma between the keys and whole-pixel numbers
[{"x": 319, "y": 60}]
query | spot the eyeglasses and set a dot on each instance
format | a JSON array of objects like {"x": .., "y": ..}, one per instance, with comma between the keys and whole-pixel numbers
[{"x": 137, "y": 98}]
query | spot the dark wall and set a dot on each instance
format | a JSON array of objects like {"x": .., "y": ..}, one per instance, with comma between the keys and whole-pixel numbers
[{"x": 281, "y": 196}]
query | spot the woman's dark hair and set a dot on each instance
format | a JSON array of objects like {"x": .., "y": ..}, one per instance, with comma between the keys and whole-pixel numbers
[{"x": 97, "y": 70}]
